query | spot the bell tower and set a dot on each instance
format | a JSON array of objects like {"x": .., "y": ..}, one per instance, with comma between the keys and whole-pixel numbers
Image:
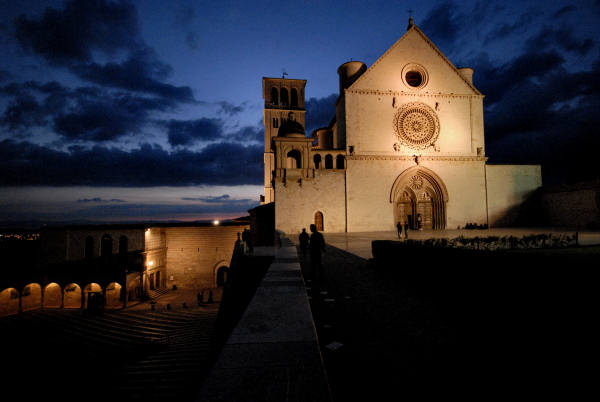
[{"x": 284, "y": 97}]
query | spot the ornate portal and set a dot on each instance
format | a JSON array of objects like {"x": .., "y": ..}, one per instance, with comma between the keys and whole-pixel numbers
[{"x": 416, "y": 125}]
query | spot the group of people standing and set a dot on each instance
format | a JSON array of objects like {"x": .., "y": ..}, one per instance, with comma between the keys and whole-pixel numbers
[
  {"x": 403, "y": 227},
  {"x": 315, "y": 244}
]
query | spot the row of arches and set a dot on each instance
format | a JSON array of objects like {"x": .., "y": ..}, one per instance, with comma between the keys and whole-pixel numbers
[
  {"x": 340, "y": 161},
  {"x": 71, "y": 296},
  {"x": 284, "y": 98},
  {"x": 294, "y": 161},
  {"x": 106, "y": 246}
]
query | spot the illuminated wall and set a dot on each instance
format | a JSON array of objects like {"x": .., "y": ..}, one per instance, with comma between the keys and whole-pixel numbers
[{"x": 194, "y": 253}]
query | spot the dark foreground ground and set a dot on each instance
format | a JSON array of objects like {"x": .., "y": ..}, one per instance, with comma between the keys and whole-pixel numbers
[{"x": 470, "y": 325}]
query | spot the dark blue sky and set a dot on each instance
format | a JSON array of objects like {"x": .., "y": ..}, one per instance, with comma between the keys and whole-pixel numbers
[{"x": 114, "y": 110}]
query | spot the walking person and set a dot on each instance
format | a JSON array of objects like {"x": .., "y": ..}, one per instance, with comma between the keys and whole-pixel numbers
[
  {"x": 303, "y": 238},
  {"x": 406, "y": 230},
  {"x": 316, "y": 245},
  {"x": 400, "y": 227}
]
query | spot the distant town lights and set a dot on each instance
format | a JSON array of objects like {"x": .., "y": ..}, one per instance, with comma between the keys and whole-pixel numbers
[{"x": 216, "y": 222}]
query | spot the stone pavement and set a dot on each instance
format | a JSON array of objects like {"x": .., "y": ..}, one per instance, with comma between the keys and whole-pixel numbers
[{"x": 359, "y": 243}]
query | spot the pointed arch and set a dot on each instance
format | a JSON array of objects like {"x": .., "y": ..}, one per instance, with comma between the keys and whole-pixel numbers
[{"x": 427, "y": 196}]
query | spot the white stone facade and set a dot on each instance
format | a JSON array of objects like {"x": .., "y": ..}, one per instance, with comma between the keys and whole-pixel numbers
[{"x": 409, "y": 135}]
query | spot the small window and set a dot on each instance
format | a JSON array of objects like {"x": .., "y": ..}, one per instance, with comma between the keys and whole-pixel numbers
[{"x": 275, "y": 122}]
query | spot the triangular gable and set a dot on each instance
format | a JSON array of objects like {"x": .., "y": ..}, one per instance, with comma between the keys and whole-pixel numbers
[{"x": 378, "y": 77}]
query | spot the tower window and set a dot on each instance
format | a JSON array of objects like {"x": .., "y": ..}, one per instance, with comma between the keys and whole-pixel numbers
[
  {"x": 284, "y": 97},
  {"x": 275, "y": 122},
  {"x": 294, "y": 101},
  {"x": 274, "y": 96}
]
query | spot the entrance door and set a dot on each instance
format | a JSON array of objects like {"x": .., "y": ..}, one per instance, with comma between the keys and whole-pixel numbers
[
  {"x": 319, "y": 221},
  {"x": 158, "y": 279},
  {"x": 152, "y": 281}
]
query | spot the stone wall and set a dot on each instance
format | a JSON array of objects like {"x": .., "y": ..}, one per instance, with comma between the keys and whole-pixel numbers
[
  {"x": 573, "y": 208},
  {"x": 194, "y": 253},
  {"x": 296, "y": 203},
  {"x": 509, "y": 187}
]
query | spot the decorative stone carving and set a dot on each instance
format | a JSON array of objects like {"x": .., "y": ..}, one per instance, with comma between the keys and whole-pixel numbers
[
  {"x": 416, "y": 182},
  {"x": 396, "y": 147},
  {"x": 416, "y": 125}
]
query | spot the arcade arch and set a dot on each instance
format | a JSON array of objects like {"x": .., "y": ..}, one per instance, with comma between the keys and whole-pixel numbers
[
  {"x": 52, "y": 295},
  {"x": 31, "y": 297}
]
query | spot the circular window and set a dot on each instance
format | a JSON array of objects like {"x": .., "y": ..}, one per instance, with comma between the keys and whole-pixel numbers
[
  {"x": 414, "y": 76},
  {"x": 416, "y": 125}
]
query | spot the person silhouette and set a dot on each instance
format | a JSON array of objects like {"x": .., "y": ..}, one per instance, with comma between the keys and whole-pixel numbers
[
  {"x": 303, "y": 238},
  {"x": 317, "y": 245}
]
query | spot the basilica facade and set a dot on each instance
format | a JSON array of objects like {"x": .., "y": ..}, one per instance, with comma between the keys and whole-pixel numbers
[{"x": 406, "y": 144}]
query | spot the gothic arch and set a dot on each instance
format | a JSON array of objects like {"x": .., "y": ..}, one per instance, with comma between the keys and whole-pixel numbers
[{"x": 427, "y": 196}]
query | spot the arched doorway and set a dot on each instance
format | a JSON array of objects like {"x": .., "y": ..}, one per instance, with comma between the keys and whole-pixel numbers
[
  {"x": 319, "y": 221},
  {"x": 222, "y": 276},
  {"x": 416, "y": 192}
]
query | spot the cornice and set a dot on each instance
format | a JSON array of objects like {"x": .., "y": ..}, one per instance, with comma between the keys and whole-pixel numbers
[
  {"x": 413, "y": 94},
  {"x": 421, "y": 158}
]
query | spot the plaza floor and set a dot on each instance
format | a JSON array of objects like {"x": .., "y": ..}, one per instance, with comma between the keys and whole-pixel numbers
[{"x": 359, "y": 243}]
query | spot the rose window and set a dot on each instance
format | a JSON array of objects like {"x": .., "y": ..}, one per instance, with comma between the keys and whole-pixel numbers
[{"x": 416, "y": 125}]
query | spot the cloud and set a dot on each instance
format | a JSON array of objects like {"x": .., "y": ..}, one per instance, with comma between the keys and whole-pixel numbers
[
  {"x": 141, "y": 72},
  {"x": 24, "y": 163},
  {"x": 442, "y": 24},
  {"x": 221, "y": 198},
  {"x": 496, "y": 82},
  {"x": 98, "y": 199},
  {"x": 70, "y": 37},
  {"x": 562, "y": 38},
  {"x": 84, "y": 113},
  {"x": 229, "y": 108},
  {"x": 187, "y": 132},
  {"x": 24, "y": 111},
  {"x": 142, "y": 211},
  {"x": 564, "y": 10},
  {"x": 551, "y": 120},
  {"x": 319, "y": 112},
  {"x": 82, "y": 27}
]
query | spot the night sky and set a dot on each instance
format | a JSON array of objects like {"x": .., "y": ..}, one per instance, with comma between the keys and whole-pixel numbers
[{"x": 152, "y": 110}]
